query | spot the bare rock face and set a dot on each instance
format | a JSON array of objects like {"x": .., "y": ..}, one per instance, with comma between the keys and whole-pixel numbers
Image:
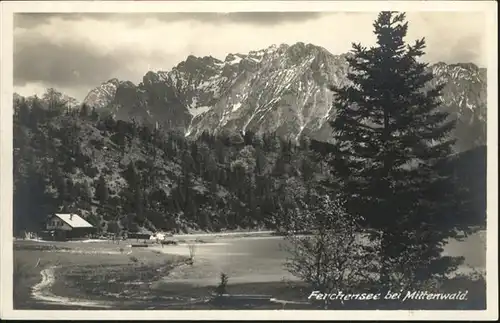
[
  {"x": 102, "y": 95},
  {"x": 281, "y": 88}
]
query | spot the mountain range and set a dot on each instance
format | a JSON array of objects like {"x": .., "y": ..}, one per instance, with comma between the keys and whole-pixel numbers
[
  {"x": 112, "y": 172},
  {"x": 282, "y": 89}
]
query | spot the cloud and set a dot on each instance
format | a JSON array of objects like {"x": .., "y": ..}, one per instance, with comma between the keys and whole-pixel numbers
[
  {"x": 66, "y": 64},
  {"x": 66, "y": 59},
  {"x": 270, "y": 18},
  {"x": 78, "y": 51},
  {"x": 452, "y": 37},
  {"x": 30, "y": 20}
]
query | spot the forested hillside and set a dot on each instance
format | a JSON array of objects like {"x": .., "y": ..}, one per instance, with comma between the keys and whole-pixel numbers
[{"x": 125, "y": 176}]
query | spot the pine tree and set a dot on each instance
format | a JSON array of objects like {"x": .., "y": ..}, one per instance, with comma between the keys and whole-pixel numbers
[
  {"x": 248, "y": 137},
  {"x": 102, "y": 191},
  {"x": 38, "y": 113},
  {"x": 84, "y": 111},
  {"x": 85, "y": 193},
  {"x": 22, "y": 112},
  {"x": 55, "y": 102},
  {"x": 138, "y": 203},
  {"x": 260, "y": 161},
  {"x": 132, "y": 177},
  {"x": 94, "y": 115},
  {"x": 388, "y": 136}
]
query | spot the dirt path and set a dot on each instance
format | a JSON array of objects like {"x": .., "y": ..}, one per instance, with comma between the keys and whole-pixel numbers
[{"x": 41, "y": 292}]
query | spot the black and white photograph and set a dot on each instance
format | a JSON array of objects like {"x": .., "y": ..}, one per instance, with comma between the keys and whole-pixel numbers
[{"x": 217, "y": 157}]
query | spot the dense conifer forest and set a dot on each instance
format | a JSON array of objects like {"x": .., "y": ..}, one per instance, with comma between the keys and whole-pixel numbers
[{"x": 122, "y": 175}]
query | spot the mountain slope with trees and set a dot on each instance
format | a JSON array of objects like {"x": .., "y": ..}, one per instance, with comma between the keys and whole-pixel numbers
[
  {"x": 124, "y": 175},
  {"x": 127, "y": 176}
]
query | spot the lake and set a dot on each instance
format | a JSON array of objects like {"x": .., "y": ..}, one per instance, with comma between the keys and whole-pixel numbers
[
  {"x": 254, "y": 265},
  {"x": 260, "y": 259}
]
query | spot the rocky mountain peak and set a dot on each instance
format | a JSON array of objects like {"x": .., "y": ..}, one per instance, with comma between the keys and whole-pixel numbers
[
  {"x": 281, "y": 88},
  {"x": 150, "y": 77},
  {"x": 102, "y": 95},
  {"x": 114, "y": 81}
]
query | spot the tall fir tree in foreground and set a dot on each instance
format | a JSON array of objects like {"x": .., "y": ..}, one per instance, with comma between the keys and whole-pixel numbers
[{"x": 389, "y": 135}]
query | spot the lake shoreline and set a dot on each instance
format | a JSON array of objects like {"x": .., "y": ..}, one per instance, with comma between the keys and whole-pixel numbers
[
  {"x": 283, "y": 295},
  {"x": 77, "y": 275},
  {"x": 98, "y": 271}
]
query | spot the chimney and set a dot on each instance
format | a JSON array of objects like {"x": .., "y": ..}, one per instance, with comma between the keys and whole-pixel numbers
[{"x": 71, "y": 217}]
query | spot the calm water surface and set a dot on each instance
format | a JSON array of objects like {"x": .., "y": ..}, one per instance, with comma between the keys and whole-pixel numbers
[{"x": 260, "y": 259}]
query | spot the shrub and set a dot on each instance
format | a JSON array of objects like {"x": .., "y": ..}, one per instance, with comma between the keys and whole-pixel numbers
[
  {"x": 192, "y": 251},
  {"x": 333, "y": 256},
  {"x": 221, "y": 289}
]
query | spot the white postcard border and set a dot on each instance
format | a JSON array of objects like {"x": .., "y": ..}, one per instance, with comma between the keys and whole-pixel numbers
[{"x": 8, "y": 8}]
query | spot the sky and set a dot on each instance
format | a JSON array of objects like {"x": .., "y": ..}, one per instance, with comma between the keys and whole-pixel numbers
[{"x": 75, "y": 52}]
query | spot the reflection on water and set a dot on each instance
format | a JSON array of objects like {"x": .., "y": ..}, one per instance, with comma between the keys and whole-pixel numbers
[
  {"x": 243, "y": 260},
  {"x": 261, "y": 260}
]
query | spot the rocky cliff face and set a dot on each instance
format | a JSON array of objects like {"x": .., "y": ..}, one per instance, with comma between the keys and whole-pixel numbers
[
  {"x": 102, "y": 95},
  {"x": 464, "y": 97},
  {"x": 281, "y": 88}
]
